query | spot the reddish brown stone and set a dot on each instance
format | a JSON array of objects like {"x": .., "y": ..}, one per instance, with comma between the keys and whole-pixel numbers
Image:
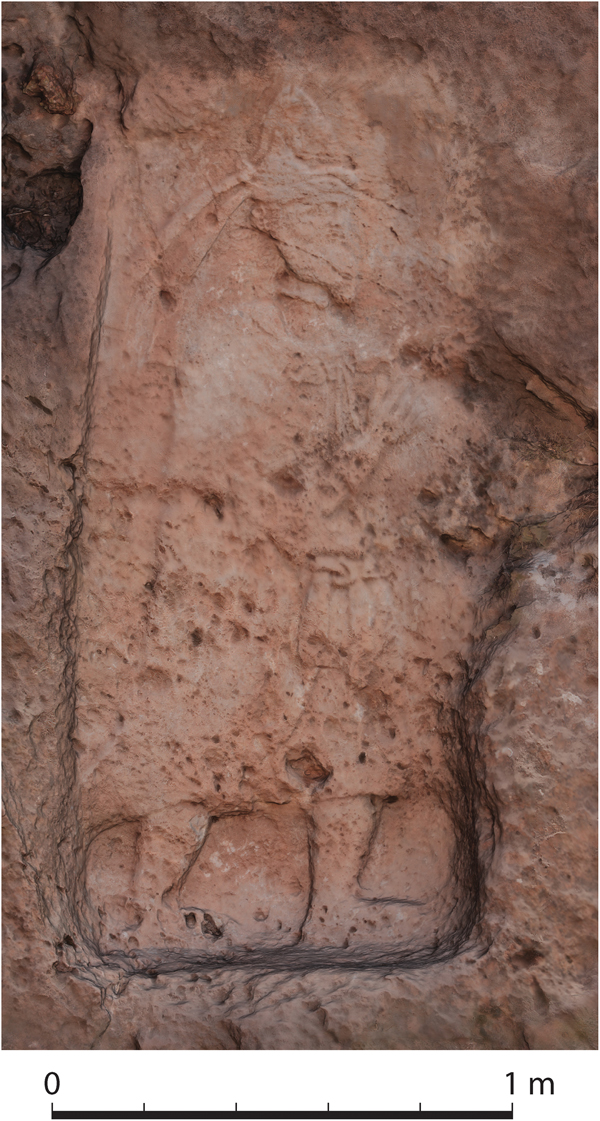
[{"x": 298, "y": 427}]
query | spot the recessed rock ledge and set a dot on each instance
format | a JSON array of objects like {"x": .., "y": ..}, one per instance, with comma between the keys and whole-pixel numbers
[{"x": 299, "y": 424}]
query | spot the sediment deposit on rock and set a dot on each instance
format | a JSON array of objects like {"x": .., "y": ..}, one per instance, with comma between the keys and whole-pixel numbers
[{"x": 299, "y": 464}]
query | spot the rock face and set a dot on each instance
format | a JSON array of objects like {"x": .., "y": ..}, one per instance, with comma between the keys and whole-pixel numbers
[{"x": 299, "y": 373}]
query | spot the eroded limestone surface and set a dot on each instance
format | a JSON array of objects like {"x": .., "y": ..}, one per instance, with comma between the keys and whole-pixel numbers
[{"x": 299, "y": 438}]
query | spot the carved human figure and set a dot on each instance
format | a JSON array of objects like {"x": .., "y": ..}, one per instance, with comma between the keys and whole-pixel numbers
[{"x": 271, "y": 636}]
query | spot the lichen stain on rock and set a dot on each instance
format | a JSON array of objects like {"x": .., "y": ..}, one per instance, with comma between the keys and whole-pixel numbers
[{"x": 299, "y": 439}]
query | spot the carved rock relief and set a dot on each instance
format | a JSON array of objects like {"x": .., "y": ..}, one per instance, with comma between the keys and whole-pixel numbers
[
  {"x": 266, "y": 645},
  {"x": 297, "y": 423}
]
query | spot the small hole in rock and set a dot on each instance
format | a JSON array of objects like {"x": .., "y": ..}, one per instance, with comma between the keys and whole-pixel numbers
[
  {"x": 190, "y": 919},
  {"x": 209, "y": 926},
  {"x": 215, "y": 502}
]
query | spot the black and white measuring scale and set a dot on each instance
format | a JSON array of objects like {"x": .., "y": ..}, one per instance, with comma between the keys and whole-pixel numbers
[{"x": 282, "y": 1115}]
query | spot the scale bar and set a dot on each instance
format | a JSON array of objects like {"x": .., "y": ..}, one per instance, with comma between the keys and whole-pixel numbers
[{"x": 281, "y": 1115}]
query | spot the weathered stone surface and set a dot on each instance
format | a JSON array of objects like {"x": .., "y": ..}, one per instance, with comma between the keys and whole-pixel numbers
[{"x": 299, "y": 440}]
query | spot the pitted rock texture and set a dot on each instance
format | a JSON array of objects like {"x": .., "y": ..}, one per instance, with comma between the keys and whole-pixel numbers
[{"x": 300, "y": 468}]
